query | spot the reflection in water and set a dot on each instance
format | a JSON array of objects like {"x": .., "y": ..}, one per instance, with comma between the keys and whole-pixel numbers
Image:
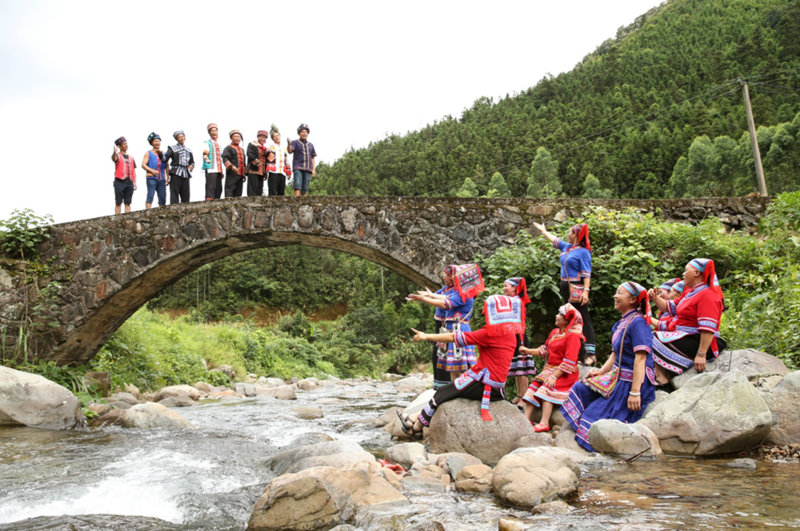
[{"x": 212, "y": 477}]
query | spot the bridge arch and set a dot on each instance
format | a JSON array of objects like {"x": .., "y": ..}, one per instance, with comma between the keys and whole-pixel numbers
[{"x": 106, "y": 268}]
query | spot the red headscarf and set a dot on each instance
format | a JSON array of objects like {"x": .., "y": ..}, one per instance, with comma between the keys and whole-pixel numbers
[
  {"x": 503, "y": 315},
  {"x": 706, "y": 267},
  {"x": 641, "y": 297},
  {"x": 582, "y": 230},
  {"x": 574, "y": 320}
]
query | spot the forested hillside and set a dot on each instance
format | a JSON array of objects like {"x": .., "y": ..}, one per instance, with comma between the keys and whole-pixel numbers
[{"x": 662, "y": 98}]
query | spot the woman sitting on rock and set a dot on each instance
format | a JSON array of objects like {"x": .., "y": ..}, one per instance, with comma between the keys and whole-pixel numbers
[
  {"x": 694, "y": 337},
  {"x": 552, "y": 385},
  {"x": 625, "y": 385},
  {"x": 486, "y": 380},
  {"x": 522, "y": 364},
  {"x": 672, "y": 295}
]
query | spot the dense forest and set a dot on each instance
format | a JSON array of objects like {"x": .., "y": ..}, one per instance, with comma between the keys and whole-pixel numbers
[{"x": 656, "y": 112}]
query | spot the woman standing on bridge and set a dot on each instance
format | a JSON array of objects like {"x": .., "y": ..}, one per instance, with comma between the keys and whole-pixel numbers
[
  {"x": 576, "y": 278},
  {"x": 463, "y": 283}
]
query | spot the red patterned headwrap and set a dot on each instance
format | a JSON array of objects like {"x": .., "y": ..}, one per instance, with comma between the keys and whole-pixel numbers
[
  {"x": 574, "y": 320},
  {"x": 642, "y": 299},
  {"x": 503, "y": 315},
  {"x": 582, "y": 230},
  {"x": 706, "y": 267}
]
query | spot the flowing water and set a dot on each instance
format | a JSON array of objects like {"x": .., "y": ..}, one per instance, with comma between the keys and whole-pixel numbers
[{"x": 113, "y": 478}]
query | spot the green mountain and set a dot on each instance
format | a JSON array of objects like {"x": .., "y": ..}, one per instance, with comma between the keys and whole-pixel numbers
[{"x": 655, "y": 112}]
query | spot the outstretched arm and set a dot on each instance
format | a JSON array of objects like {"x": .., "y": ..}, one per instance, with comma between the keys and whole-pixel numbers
[
  {"x": 545, "y": 232},
  {"x": 441, "y": 338}
]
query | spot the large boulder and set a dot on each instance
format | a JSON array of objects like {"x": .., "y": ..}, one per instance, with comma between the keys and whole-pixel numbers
[
  {"x": 530, "y": 476},
  {"x": 784, "y": 402},
  {"x": 32, "y": 400},
  {"x": 287, "y": 459},
  {"x": 611, "y": 436},
  {"x": 453, "y": 462},
  {"x": 714, "y": 413},
  {"x": 412, "y": 384},
  {"x": 752, "y": 363},
  {"x": 412, "y": 411},
  {"x": 457, "y": 426},
  {"x": 244, "y": 389},
  {"x": 323, "y": 497},
  {"x": 179, "y": 390},
  {"x": 474, "y": 478},
  {"x": 153, "y": 415}
]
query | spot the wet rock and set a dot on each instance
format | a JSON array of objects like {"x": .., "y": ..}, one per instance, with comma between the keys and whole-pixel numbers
[
  {"x": 714, "y": 413},
  {"x": 388, "y": 416},
  {"x": 750, "y": 362},
  {"x": 422, "y": 484},
  {"x": 530, "y": 476},
  {"x": 32, "y": 400},
  {"x": 124, "y": 397},
  {"x": 177, "y": 401},
  {"x": 453, "y": 462},
  {"x": 554, "y": 507},
  {"x": 307, "y": 412},
  {"x": 119, "y": 404},
  {"x": 152, "y": 415},
  {"x": 110, "y": 417},
  {"x": 244, "y": 389},
  {"x": 406, "y": 454},
  {"x": 310, "y": 438},
  {"x": 457, "y": 426},
  {"x": 281, "y": 392},
  {"x": 204, "y": 387},
  {"x": 338, "y": 460},
  {"x": 783, "y": 401},
  {"x": 474, "y": 478},
  {"x": 511, "y": 524},
  {"x": 224, "y": 393},
  {"x": 179, "y": 390},
  {"x": 618, "y": 438},
  {"x": 743, "y": 463},
  {"x": 99, "y": 409},
  {"x": 283, "y": 461},
  {"x": 308, "y": 384},
  {"x": 320, "y": 498}
]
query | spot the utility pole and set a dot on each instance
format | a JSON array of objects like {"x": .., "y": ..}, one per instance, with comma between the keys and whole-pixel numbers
[{"x": 762, "y": 183}]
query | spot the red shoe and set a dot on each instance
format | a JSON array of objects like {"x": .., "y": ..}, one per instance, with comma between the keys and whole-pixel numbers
[{"x": 538, "y": 428}]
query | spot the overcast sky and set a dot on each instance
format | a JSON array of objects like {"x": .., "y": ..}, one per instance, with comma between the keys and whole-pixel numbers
[{"x": 77, "y": 75}]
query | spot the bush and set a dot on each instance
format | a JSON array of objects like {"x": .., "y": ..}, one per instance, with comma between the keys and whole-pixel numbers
[{"x": 23, "y": 232}]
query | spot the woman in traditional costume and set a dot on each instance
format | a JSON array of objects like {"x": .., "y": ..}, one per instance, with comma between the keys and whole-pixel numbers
[
  {"x": 695, "y": 336},
  {"x": 624, "y": 386},
  {"x": 522, "y": 364},
  {"x": 576, "y": 278},
  {"x": 465, "y": 282},
  {"x": 486, "y": 380},
  {"x": 551, "y": 386}
]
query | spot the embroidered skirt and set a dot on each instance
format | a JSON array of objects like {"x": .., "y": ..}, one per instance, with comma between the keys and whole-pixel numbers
[
  {"x": 675, "y": 351},
  {"x": 453, "y": 358},
  {"x": 537, "y": 391},
  {"x": 522, "y": 365}
]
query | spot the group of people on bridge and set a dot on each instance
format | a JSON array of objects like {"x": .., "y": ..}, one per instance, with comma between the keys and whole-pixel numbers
[
  {"x": 229, "y": 168},
  {"x": 646, "y": 353}
]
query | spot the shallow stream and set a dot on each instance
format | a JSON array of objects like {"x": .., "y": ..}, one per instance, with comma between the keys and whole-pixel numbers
[{"x": 113, "y": 478}]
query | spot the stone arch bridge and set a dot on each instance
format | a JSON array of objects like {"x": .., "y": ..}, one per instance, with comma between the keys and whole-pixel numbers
[{"x": 100, "y": 271}]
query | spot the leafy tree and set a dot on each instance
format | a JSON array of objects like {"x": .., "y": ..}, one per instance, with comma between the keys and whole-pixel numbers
[
  {"x": 498, "y": 187},
  {"x": 543, "y": 180},
  {"x": 592, "y": 188},
  {"x": 468, "y": 189}
]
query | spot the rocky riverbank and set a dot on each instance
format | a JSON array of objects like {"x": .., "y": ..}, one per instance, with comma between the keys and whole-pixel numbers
[{"x": 742, "y": 401}]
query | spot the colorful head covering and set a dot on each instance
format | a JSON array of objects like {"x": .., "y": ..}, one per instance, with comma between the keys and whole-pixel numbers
[
  {"x": 582, "y": 230},
  {"x": 301, "y": 127},
  {"x": 235, "y": 132},
  {"x": 178, "y": 132},
  {"x": 503, "y": 314},
  {"x": 574, "y": 320},
  {"x": 262, "y": 132},
  {"x": 273, "y": 129},
  {"x": 212, "y": 125},
  {"x": 678, "y": 286},
  {"x": 669, "y": 283},
  {"x": 152, "y": 137},
  {"x": 467, "y": 280},
  {"x": 521, "y": 291},
  {"x": 642, "y": 298},
  {"x": 706, "y": 267},
  {"x": 118, "y": 142}
]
